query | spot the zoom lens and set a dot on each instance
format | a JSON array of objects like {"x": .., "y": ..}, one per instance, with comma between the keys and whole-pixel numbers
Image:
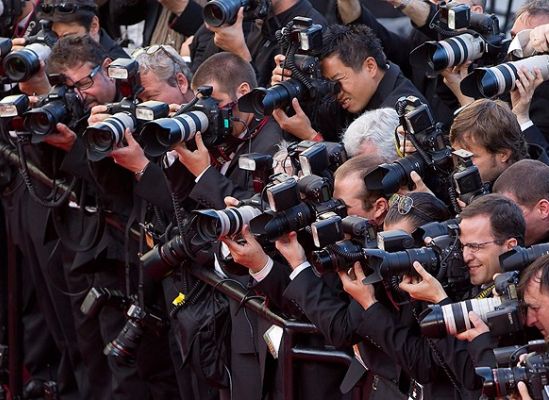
[
  {"x": 214, "y": 224},
  {"x": 336, "y": 257},
  {"x": 219, "y": 12},
  {"x": 20, "y": 65},
  {"x": 42, "y": 120},
  {"x": 263, "y": 101},
  {"x": 452, "y": 319},
  {"x": 494, "y": 81},
  {"x": 103, "y": 137},
  {"x": 388, "y": 178},
  {"x": 124, "y": 347},
  {"x": 272, "y": 225},
  {"x": 163, "y": 134}
]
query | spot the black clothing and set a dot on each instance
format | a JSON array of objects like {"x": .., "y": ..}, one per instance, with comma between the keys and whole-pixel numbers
[
  {"x": 260, "y": 39},
  {"x": 129, "y": 12},
  {"x": 332, "y": 119},
  {"x": 113, "y": 49}
]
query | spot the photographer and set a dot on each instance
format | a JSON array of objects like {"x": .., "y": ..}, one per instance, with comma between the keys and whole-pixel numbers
[
  {"x": 525, "y": 182},
  {"x": 254, "y": 43},
  {"x": 76, "y": 17},
  {"x": 83, "y": 64},
  {"x": 202, "y": 178},
  {"x": 353, "y": 57},
  {"x": 371, "y": 134}
]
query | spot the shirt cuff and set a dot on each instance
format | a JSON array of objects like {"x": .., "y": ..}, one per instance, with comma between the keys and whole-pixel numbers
[
  {"x": 526, "y": 125},
  {"x": 202, "y": 173},
  {"x": 301, "y": 267},
  {"x": 262, "y": 274}
]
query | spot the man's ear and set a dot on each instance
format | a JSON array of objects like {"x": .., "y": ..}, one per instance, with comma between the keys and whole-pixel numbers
[
  {"x": 380, "y": 206},
  {"x": 504, "y": 155},
  {"x": 370, "y": 66},
  {"x": 182, "y": 82},
  {"x": 510, "y": 243},
  {"x": 542, "y": 207},
  {"x": 106, "y": 62},
  {"x": 243, "y": 88},
  {"x": 95, "y": 28}
]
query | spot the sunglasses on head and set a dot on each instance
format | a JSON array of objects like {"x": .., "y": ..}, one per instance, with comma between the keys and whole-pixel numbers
[{"x": 65, "y": 8}]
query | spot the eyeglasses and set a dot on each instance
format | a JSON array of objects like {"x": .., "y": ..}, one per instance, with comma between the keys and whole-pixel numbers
[
  {"x": 151, "y": 50},
  {"x": 87, "y": 81},
  {"x": 405, "y": 205},
  {"x": 474, "y": 247},
  {"x": 65, "y": 8}
]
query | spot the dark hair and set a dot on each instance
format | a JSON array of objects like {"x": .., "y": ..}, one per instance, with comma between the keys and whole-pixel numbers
[
  {"x": 83, "y": 16},
  {"x": 539, "y": 267},
  {"x": 352, "y": 45},
  {"x": 533, "y": 8},
  {"x": 527, "y": 180},
  {"x": 72, "y": 51},
  {"x": 506, "y": 219},
  {"x": 361, "y": 166},
  {"x": 426, "y": 208},
  {"x": 492, "y": 125},
  {"x": 228, "y": 70}
]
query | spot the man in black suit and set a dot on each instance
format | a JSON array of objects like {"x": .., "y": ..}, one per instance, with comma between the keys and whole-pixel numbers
[{"x": 204, "y": 177}]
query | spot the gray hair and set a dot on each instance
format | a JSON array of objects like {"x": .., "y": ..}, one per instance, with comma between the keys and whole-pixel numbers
[
  {"x": 375, "y": 127},
  {"x": 533, "y": 8},
  {"x": 164, "y": 66}
]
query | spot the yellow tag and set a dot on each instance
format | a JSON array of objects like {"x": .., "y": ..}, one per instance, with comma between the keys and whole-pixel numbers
[
  {"x": 180, "y": 299},
  {"x": 149, "y": 240}
]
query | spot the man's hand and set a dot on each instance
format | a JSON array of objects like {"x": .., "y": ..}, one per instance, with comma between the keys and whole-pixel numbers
[
  {"x": 196, "y": 161},
  {"x": 231, "y": 37},
  {"x": 453, "y": 77},
  {"x": 521, "y": 97},
  {"x": 98, "y": 114},
  {"x": 349, "y": 10},
  {"x": 248, "y": 253},
  {"x": 64, "y": 138},
  {"x": 425, "y": 288},
  {"x": 291, "y": 250},
  {"x": 539, "y": 38},
  {"x": 363, "y": 294},
  {"x": 175, "y": 6},
  {"x": 479, "y": 327},
  {"x": 280, "y": 74},
  {"x": 298, "y": 125},
  {"x": 131, "y": 156},
  {"x": 37, "y": 84}
]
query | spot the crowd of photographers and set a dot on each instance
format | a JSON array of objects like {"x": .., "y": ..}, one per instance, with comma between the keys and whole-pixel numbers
[{"x": 392, "y": 189}]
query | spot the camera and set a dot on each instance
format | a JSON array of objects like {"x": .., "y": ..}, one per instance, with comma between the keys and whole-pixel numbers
[
  {"x": 534, "y": 372},
  {"x": 341, "y": 255},
  {"x": 322, "y": 158},
  {"x": 103, "y": 137},
  {"x": 61, "y": 104},
  {"x": 20, "y": 65},
  {"x": 124, "y": 348},
  {"x": 466, "y": 177},
  {"x": 504, "y": 315},
  {"x": 433, "y": 151},
  {"x": 510, "y": 355},
  {"x": 518, "y": 258},
  {"x": 261, "y": 166},
  {"x": 301, "y": 42},
  {"x": 442, "y": 257},
  {"x": 294, "y": 205},
  {"x": 473, "y": 37},
  {"x": 494, "y": 81},
  {"x": 224, "y": 12},
  {"x": 202, "y": 114}
]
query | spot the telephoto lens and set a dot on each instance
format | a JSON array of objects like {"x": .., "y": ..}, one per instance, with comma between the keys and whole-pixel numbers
[
  {"x": 223, "y": 12},
  {"x": 497, "y": 80},
  {"x": 20, "y": 65},
  {"x": 388, "y": 178},
  {"x": 449, "y": 52},
  {"x": 214, "y": 224},
  {"x": 164, "y": 134},
  {"x": 339, "y": 256},
  {"x": 437, "y": 321},
  {"x": 103, "y": 137},
  {"x": 161, "y": 260},
  {"x": 124, "y": 347}
]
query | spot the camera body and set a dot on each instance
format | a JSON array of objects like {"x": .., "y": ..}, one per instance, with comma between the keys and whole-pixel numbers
[
  {"x": 61, "y": 104},
  {"x": 301, "y": 42},
  {"x": 466, "y": 177},
  {"x": 21, "y": 65},
  {"x": 534, "y": 372},
  {"x": 469, "y": 37},
  {"x": 518, "y": 258}
]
